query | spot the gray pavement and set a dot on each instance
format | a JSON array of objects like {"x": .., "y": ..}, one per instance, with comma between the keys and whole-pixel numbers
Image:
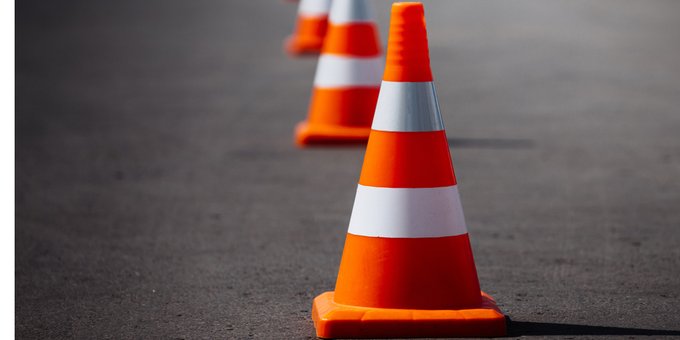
[{"x": 159, "y": 194}]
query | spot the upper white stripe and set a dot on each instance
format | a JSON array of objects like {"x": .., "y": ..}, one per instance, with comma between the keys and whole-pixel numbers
[
  {"x": 407, "y": 212},
  {"x": 314, "y": 8},
  {"x": 407, "y": 106},
  {"x": 350, "y": 11},
  {"x": 342, "y": 71}
]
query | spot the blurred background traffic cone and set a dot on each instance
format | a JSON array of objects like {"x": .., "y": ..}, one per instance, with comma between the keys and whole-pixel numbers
[
  {"x": 407, "y": 268},
  {"x": 310, "y": 28},
  {"x": 347, "y": 78}
]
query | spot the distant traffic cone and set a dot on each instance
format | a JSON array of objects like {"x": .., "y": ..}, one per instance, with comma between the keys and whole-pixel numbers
[
  {"x": 347, "y": 78},
  {"x": 310, "y": 28},
  {"x": 407, "y": 268}
]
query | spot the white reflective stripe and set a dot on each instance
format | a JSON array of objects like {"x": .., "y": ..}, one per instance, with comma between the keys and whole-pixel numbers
[
  {"x": 350, "y": 11},
  {"x": 407, "y": 106},
  {"x": 407, "y": 212},
  {"x": 314, "y": 8},
  {"x": 342, "y": 71}
]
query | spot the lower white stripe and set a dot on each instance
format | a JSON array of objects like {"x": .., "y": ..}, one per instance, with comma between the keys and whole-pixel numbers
[
  {"x": 342, "y": 71},
  {"x": 407, "y": 212},
  {"x": 314, "y": 8}
]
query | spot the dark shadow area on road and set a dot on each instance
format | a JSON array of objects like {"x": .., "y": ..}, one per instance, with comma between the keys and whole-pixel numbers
[
  {"x": 491, "y": 143},
  {"x": 334, "y": 144},
  {"x": 521, "y": 328}
]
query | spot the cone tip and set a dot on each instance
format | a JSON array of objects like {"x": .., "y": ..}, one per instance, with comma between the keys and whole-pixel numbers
[
  {"x": 408, "y": 56},
  {"x": 409, "y": 14},
  {"x": 407, "y": 8}
]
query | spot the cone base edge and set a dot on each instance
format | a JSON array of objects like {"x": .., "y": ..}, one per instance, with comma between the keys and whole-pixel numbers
[
  {"x": 333, "y": 320},
  {"x": 296, "y": 46},
  {"x": 307, "y": 134}
]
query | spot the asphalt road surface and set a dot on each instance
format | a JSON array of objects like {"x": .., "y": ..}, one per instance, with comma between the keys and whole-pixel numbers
[{"x": 159, "y": 194}]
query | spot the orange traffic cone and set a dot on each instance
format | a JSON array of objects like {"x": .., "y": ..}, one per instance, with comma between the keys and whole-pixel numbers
[
  {"x": 347, "y": 78},
  {"x": 310, "y": 28},
  {"x": 407, "y": 268}
]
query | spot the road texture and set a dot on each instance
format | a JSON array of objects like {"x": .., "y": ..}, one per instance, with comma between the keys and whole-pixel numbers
[{"x": 159, "y": 194}]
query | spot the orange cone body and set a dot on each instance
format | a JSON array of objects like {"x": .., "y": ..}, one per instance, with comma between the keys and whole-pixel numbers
[
  {"x": 347, "y": 78},
  {"x": 310, "y": 28},
  {"x": 407, "y": 268}
]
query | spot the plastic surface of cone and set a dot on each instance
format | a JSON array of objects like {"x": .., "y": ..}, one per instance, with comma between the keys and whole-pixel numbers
[
  {"x": 347, "y": 78},
  {"x": 407, "y": 268},
  {"x": 310, "y": 28}
]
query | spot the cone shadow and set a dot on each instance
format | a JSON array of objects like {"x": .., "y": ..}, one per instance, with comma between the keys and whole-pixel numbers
[
  {"x": 522, "y": 328},
  {"x": 334, "y": 144},
  {"x": 491, "y": 143}
]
